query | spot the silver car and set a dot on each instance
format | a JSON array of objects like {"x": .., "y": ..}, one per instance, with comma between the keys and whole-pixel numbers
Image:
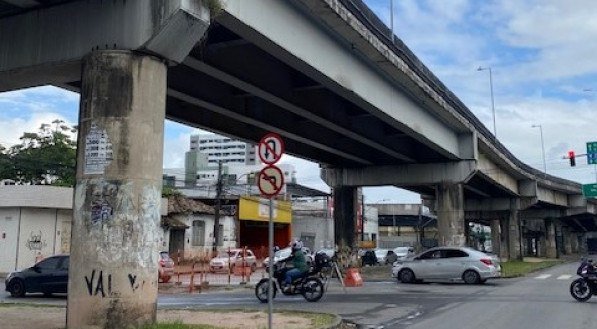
[{"x": 448, "y": 263}]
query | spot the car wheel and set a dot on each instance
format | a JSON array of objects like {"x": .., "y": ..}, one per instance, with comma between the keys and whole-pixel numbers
[
  {"x": 17, "y": 288},
  {"x": 406, "y": 276},
  {"x": 471, "y": 277}
]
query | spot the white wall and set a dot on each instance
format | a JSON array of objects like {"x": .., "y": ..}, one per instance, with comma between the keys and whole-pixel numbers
[
  {"x": 37, "y": 236},
  {"x": 9, "y": 228},
  {"x": 322, "y": 228}
]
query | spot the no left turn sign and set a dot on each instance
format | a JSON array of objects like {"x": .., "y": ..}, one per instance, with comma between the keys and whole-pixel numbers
[
  {"x": 271, "y": 148},
  {"x": 271, "y": 181}
]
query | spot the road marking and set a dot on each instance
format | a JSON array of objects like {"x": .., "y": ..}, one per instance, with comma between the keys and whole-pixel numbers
[
  {"x": 564, "y": 277},
  {"x": 543, "y": 276}
]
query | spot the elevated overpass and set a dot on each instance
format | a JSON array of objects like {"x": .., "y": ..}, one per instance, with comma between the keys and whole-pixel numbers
[{"x": 321, "y": 73}]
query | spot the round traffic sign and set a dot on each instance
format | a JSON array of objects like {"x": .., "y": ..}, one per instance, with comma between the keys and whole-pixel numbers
[
  {"x": 271, "y": 148},
  {"x": 270, "y": 181}
]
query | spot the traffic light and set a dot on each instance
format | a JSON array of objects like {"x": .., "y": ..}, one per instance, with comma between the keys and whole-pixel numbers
[{"x": 571, "y": 156}]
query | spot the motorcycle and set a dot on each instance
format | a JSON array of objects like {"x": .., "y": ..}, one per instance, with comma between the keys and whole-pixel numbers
[
  {"x": 309, "y": 284},
  {"x": 586, "y": 286}
]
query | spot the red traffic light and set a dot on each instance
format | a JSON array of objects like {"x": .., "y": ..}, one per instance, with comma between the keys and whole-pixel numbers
[{"x": 572, "y": 156}]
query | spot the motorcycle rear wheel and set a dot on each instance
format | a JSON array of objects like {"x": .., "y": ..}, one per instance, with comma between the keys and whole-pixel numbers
[
  {"x": 312, "y": 289},
  {"x": 261, "y": 290},
  {"x": 580, "y": 290}
]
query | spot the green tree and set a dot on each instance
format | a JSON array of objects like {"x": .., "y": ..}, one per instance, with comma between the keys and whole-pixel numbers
[{"x": 45, "y": 157}]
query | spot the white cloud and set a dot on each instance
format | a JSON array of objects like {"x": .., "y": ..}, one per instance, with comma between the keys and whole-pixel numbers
[{"x": 12, "y": 129}]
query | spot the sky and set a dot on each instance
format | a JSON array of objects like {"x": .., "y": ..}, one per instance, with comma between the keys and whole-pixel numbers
[{"x": 542, "y": 58}]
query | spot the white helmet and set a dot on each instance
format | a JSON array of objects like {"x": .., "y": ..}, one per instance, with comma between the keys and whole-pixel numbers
[{"x": 296, "y": 245}]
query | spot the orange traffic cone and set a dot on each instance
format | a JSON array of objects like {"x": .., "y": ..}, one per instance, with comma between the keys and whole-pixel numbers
[{"x": 353, "y": 278}]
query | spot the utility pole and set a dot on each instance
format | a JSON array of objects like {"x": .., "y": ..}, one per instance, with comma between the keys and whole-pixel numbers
[
  {"x": 363, "y": 217},
  {"x": 217, "y": 209}
]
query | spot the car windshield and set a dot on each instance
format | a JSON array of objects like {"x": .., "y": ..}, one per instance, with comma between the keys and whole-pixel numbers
[
  {"x": 401, "y": 250},
  {"x": 381, "y": 252},
  {"x": 226, "y": 254}
]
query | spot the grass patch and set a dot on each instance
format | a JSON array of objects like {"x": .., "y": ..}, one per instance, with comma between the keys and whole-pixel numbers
[
  {"x": 178, "y": 325},
  {"x": 513, "y": 269},
  {"x": 318, "y": 320}
]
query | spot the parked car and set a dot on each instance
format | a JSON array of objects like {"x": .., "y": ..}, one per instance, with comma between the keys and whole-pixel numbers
[
  {"x": 165, "y": 267},
  {"x": 235, "y": 256},
  {"x": 330, "y": 252},
  {"x": 403, "y": 252},
  {"x": 285, "y": 253},
  {"x": 381, "y": 255},
  {"x": 447, "y": 263},
  {"x": 49, "y": 276},
  {"x": 368, "y": 258}
]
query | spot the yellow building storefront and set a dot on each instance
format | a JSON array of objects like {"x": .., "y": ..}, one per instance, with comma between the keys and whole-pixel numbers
[{"x": 253, "y": 218}]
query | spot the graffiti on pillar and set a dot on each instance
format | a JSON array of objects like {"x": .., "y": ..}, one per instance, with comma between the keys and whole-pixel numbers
[
  {"x": 35, "y": 241},
  {"x": 98, "y": 151},
  {"x": 95, "y": 285},
  {"x": 102, "y": 199},
  {"x": 133, "y": 281}
]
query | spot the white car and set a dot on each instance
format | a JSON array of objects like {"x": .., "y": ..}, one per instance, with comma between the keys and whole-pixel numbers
[
  {"x": 285, "y": 253},
  {"x": 448, "y": 263},
  {"x": 220, "y": 263},
  {"x": 381, "y": 255},
  {"x": 403, "y": 253}
]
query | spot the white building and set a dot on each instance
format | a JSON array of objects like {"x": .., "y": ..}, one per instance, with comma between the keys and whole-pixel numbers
[
  {"x": 35, "y": 222},
  {"x": 220, "y": 148}
]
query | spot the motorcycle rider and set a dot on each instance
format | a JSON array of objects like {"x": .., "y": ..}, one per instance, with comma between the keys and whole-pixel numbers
[{"x": 299, "y": 264}]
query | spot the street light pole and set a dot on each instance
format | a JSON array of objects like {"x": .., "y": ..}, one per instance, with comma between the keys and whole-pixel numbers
[
  {"x": 480, "y": 68},
  {"x": 542, "y": 146}
]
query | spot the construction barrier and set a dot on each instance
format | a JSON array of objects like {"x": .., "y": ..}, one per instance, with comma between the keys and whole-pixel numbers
[{"x": 353, "y": 278}]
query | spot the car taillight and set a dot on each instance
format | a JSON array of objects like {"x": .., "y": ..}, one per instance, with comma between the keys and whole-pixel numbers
[{"x": 486, "y": 261}]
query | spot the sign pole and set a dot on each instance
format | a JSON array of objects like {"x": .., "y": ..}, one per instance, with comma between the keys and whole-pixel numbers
[
  {"x": 270, "y": 183},
  {"x": 270, "y": 302}
]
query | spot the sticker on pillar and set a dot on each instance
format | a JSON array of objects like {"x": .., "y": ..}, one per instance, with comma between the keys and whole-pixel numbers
[{"x": 98, "y": 151}]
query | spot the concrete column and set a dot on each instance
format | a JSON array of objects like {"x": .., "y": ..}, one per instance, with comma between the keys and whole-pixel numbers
[
  {"x": 567, "y": 237},
  {"x": 550, "y": 239},
  {"x": 542, "y": 248},
  {"x": 496, "y": 242},
  {"x": 450, "y": 214},
  {"x": 574, "y": 243},
  {"x": 116, "y": 213},
  {"x": 345, "y": 203},
  {"x": 514, "y": 238}
]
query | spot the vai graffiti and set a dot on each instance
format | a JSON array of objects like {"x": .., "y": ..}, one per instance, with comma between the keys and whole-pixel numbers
[
  {"x": 96, "y": 286},
  {"x": 102, "y": 284},
  {"x": 35, "y": 242}
]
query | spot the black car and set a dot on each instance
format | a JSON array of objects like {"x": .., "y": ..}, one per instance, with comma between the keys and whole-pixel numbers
[{"x": 48, "y": 276}]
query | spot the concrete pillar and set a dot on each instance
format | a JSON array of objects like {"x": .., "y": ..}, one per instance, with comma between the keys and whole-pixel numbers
[
  {"x": 450, "y": 214},
  {"x": 550, "y": 239},
  {"x": 567, "y": 237},
  {"x": 542, "y": 248},
  {"x": 345, "y": 203},
  {"x": 574, "y": 243},
  {"x": 116, "y": 214},
  {"x": 496, "y": 242},
  {"x": 514, "y": 233}
]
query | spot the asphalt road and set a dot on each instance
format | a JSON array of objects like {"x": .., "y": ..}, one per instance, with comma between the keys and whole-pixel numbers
[{"x": 540, "y": 300}]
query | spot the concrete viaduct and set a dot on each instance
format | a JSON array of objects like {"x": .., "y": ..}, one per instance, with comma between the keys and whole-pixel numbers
[{"x": 322, "y": 73}]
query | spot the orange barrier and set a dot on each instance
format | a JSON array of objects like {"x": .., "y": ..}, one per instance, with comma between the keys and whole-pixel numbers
[{"x": 353, "y": 278}]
